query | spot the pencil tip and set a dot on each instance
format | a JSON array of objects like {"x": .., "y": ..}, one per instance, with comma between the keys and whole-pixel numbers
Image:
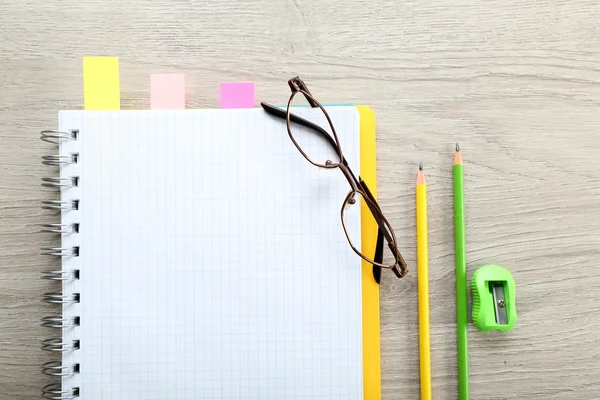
[
  {"x": 457, "y": 147},
  {"x": 421, "y": 176},
  {"x": 421, "y": 166}
]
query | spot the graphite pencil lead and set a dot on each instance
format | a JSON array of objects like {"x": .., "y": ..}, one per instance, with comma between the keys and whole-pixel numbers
[
  {"x": 457, "y": 147},
  {"x": 421, "y": 166}
]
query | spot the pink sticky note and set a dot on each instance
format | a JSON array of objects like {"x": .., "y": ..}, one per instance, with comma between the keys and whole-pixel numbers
[
  {"x": 167, "y": 91},
  {"x": 237, "y": 95}
]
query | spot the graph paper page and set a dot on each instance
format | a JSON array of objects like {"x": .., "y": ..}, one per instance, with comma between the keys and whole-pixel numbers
[{"x": 213, "y": 263}]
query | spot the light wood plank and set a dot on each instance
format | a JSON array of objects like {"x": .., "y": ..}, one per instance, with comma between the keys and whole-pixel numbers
[{"x": 516, "y": 83}]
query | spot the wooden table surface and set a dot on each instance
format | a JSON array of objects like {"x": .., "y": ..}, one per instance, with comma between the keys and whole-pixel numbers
[{"x": 516, "y": 83}]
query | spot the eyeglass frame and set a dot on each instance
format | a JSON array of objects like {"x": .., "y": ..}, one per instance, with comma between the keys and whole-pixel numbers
[{"x": 357, "y": 185}]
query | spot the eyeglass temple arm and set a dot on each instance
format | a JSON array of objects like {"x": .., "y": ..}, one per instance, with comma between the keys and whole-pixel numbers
[
  {"x": 383, "y": 233},
  {"x": 282, "y": 114}
]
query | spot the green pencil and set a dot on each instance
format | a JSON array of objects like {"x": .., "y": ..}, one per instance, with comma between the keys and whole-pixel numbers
[{"x": 461, "y": 277}]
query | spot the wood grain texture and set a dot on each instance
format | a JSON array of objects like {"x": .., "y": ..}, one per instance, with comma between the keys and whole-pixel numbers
[{"x": 516, "y": 83}]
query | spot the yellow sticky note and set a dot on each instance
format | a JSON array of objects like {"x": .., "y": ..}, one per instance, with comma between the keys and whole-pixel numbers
[{"x": 101, "y": 89}]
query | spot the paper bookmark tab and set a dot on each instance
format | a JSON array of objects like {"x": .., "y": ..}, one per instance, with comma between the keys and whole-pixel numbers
[
  {"x": 237, "y": 95},
  {"x": 101, "y": 83},
  {"x": 167, "y": 91}
]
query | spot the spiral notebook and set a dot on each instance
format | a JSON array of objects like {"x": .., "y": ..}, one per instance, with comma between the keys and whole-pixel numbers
[{"x": 203, "y": 257}]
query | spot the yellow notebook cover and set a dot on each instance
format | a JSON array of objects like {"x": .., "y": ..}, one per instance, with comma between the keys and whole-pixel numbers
[{"x": 370, "y": 288}]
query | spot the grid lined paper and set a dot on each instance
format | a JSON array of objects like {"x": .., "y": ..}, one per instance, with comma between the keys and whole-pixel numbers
[{"x": 213, "y": 261}]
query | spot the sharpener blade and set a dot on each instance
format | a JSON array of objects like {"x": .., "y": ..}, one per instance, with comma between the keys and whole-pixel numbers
[{"x": 499, "y": 303}]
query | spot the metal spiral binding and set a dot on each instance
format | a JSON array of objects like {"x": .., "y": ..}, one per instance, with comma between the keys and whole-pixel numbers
[
  {"x": 57, "y": 205},
  {"x": 56, "y": 368},
  {"x": 54, "y": 392},
  {"x": 60, "y": 345},
  {"x": 57, "y": 160},
  {"x": 59, "y": 298},
  {"x": 60, "y": 322},
  {"x": 55, "y": 182},
  {"x": 60, "y": 228},
  {"x": 61, "y": 251},
  {"x": 56, "y": 136},
  {"x": 60, "y": 275}
]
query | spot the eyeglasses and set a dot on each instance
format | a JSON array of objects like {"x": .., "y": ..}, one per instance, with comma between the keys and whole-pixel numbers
[{"x": 302, "y": 132}]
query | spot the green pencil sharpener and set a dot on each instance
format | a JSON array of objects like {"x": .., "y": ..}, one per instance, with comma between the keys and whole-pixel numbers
[{"x": 493, "y": 291}]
